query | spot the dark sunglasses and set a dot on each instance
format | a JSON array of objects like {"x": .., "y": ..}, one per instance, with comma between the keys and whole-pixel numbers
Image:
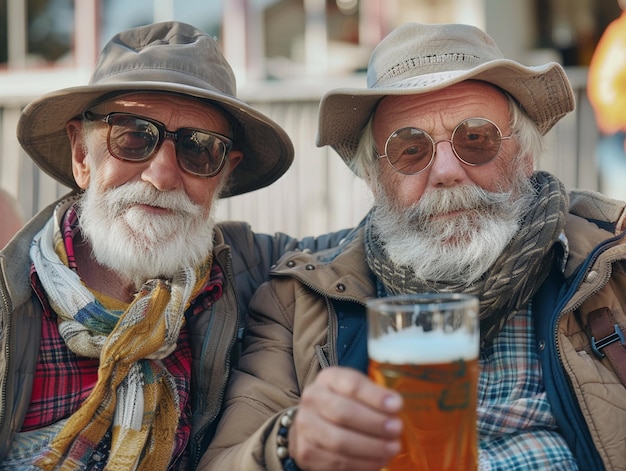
[
  {"x": 136, "y": 138},
  {"x": 475, "y": 141}
]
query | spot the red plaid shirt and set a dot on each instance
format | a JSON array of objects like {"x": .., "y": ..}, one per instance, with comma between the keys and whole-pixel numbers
[{"x": 63, "y": 380}]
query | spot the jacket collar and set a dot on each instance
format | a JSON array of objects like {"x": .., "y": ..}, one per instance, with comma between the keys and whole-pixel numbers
[{"x": 339, "y": 273}]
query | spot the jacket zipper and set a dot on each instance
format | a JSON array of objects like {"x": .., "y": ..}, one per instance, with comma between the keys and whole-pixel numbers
[
  {"x": 560, "y": 379},
  {"x": 197, "y": 455},
  {"x": 324, "y": 361},
  {"x": 9, "y": 339},
  {"x": 575, "y": 285}
]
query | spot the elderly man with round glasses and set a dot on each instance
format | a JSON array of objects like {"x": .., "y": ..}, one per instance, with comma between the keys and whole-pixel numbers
[
  {"x": 121, "y": 303},
  {"x": 446, "y": 135}
]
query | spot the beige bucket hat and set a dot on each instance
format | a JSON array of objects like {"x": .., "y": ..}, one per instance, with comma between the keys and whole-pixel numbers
[
  {"x": 165, "y": 57},
  {"x": 421, "y": 58}
]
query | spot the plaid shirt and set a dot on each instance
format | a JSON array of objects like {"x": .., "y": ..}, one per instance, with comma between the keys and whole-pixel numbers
[
  {"x": 516, "y": 426},
  {"x": 64, "y": 380}
]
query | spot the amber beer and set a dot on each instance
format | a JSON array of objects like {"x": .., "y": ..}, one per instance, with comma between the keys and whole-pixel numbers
[{"x": 426, "y": 348}]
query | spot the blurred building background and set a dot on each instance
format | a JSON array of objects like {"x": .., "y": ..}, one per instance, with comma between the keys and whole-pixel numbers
[{"x": 286, "y": 54}]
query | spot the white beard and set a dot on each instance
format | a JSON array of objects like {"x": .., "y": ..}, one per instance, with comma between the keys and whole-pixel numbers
[
  {"x": 138, "y": 245},
  {"x": 458, "y": 249}
]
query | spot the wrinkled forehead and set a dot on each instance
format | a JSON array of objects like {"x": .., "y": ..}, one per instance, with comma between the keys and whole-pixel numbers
[
  {"x": 467, "y": 88},
  {"x": 470, "y": 98}
]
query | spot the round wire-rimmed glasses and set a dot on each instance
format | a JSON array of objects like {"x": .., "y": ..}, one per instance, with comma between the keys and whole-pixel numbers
[{"x": 474, "y": 141}]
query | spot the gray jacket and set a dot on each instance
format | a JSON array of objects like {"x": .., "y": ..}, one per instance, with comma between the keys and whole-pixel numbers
[{"x": 245, "y": 258}]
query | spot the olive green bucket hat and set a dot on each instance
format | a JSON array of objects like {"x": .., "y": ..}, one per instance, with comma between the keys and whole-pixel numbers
[
  {"x": 421, "y": 58},
  {"x": 163, "y": 57}
]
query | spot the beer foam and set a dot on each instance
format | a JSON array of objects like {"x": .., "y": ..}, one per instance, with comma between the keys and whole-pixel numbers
[{"x": 413, "y": 346}]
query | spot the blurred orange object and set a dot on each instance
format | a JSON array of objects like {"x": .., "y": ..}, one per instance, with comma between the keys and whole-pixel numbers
[{"x": 606, "y": 82}]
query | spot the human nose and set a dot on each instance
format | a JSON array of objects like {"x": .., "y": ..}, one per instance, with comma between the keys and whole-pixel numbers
[
  {"x": 162, "y": 170},
  {"x": 446, "y": 169}
]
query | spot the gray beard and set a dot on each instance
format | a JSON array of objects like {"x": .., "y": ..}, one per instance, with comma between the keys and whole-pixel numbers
[
  {"x": 456, "y": 250},
  {"x": 139, "y": 246}
]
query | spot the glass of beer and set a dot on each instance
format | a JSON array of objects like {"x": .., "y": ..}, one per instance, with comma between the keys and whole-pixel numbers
[{"x": 425, "y": 346}]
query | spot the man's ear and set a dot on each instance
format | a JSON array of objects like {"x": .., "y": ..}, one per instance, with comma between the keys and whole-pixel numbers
[
  {"x": 234, "y": 158},
  {"x": 80, "y": 163}
]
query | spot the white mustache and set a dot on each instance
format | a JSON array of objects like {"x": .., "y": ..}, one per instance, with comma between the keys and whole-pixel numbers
[
  {"x": 140, "y": 193},
  {"x": 447, "y": 200}
]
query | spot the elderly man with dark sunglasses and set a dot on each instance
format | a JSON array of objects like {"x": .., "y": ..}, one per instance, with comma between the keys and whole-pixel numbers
[
  {"x": 446, "y": 135},
  {"x": 121, "y": 302}
]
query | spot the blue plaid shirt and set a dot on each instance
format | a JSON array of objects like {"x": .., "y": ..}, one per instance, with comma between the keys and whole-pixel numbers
[{"x": 516, "y": 427}]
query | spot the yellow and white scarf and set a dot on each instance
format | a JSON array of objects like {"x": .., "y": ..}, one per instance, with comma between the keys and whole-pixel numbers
[{"x": 135, "y": 395}]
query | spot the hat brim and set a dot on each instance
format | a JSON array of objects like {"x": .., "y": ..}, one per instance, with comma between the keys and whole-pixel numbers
[
  {"x": 268, "y": 150},
  {"x": 543, "y": 92}
]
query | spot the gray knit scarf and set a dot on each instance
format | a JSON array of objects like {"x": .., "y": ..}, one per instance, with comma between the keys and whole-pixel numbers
[{"x": 508, "y": 286}]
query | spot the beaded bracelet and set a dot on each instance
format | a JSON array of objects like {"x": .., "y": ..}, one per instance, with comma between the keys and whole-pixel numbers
[{"x": 282, "y": 440}]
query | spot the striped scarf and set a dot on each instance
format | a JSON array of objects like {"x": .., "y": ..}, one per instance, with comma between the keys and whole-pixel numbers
[
  {"x": 135, "y": 395},
  {"x": 515, "y": 276}
]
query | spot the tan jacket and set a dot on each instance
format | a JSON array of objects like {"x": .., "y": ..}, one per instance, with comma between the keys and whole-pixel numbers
[{"x": 292, "y": 331}]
